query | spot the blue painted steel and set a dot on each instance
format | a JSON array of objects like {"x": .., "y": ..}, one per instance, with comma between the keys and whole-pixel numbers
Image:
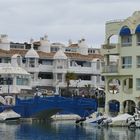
[
  {"x": 31, "y": 107},
  {"x": 137, "y": 29},
  {"x": 125, "y": 31}
]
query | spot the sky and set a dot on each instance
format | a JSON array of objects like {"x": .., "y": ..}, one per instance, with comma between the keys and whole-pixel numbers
[{"x": 62, "y": 20}]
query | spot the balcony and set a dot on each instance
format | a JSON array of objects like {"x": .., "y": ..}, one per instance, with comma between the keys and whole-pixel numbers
[
  {"x": 110, "y": 49},
  {"x": 44, "y": 68},
  {"x": 80, "y": 69},
  {"x": 42, "y": 82},
  {"x": 110, "y": 69},
  {"x": 32, "y": 69}
]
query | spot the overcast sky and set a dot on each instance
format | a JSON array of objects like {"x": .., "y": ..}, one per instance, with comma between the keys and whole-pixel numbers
[{"x": 62, "y": 20}]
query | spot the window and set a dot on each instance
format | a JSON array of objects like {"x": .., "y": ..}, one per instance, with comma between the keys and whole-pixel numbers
[
  {"x": 6, "y": 60},
  {"x": 6, "y": 81},
  {"x": 126, "y": 41},
  {"x": 126, "y": 37},
  {"x": 59, "y": 77},
  {"x": 31, "y": 62},
  {"x": 126, "y": 62},
  {"x": 84, "y": 77},
  {"x": 98, "y": 79},
  {"x": 59, "y": 67},
  {"x": 138, "y": 84},
  {"x": 138, "y": 39},
  {"x": 45, "y": 75},
  {"x": 23, "y": 60},
  {"x": 130, "y": 83},
  {"x": 45, "y": 62},
  {"x": 98, "y": 64},
  {"x": 22, "y": 81},
  {"x": 138, "y": 61}
]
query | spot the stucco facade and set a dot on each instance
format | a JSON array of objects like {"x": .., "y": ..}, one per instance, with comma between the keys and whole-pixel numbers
[
  {"x": 121, "y": 64},
  {"x": 48, "y": 62}
]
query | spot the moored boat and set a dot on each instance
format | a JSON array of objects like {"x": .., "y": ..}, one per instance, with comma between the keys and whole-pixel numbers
[
  {"x": 96, "y": 119},
  {"x": 120, "y": 120},
  {"x": 61, "y": 117},
  {"x": 9, "y": 115}
]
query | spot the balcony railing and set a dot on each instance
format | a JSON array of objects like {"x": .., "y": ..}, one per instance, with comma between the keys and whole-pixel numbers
[
  {"x": 110, "y": 69},
  {"x": 110, "y": 48}
]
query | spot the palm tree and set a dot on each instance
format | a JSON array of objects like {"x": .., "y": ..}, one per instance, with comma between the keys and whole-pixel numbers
[
  {"x": 113, "y": 88},
  {"x": 69, "y": 76}
]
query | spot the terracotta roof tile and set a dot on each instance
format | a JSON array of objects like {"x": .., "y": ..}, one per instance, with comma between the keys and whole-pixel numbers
[
  {"x": 76, "y": 56},
  {"x": 46, "y": 55}
]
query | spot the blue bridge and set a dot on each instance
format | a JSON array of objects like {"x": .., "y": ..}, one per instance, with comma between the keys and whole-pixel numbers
[{"x": 44, "y": 107}]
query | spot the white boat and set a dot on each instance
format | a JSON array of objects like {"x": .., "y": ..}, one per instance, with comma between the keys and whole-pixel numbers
[
  {"x": 8, "y": 115},
  {"x": 61, "y": 117},
  {"x": 96, "y": 119},
  {"x": 120, "y": 120},
  {"x": 134, "y": 121}
]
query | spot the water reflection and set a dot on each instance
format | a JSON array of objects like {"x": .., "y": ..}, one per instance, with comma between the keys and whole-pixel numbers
[
  {"x": 8, "y": 131},
  {"x": 64, "y": 131}
]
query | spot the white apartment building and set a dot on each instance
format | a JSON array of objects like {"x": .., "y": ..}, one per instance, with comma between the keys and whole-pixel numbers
[
  {"x": 122, "y": 64},
  {"x": 48, "y": 62}
]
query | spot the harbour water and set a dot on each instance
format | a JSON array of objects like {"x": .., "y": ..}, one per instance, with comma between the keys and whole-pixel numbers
[{"x": 63, "y": 130}]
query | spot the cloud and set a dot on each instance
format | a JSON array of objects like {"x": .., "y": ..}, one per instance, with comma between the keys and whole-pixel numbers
[{"x": 63, "y": 19}]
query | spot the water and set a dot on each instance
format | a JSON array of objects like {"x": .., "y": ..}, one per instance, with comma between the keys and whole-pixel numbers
[{"x": 64, "y": 131}]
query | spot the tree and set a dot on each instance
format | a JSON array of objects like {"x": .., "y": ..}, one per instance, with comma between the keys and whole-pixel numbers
[
  {"x": 113, "y": 88},
  {"x": 69, "y": 76}
]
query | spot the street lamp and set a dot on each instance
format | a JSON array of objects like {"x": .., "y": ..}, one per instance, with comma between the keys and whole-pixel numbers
[
  {"x": 8, "y": 82},
  {"x": 77, "y": 87},
  {"x": 57, "y": 89}
]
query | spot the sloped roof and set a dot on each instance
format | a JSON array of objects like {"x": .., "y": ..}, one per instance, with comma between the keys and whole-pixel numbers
[
  {"x": 76, "y": 56},
  {"x": 31, "y": 53},
  {"x": 88, "y": 57},
  {"x": 9, "y": 69},
  {"x": 60, "y": 55}
]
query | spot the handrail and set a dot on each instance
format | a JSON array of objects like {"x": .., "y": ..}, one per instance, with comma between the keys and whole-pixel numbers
[{"x": 113, "y": 21}]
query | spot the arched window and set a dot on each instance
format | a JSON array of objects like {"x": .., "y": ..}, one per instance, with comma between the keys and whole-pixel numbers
[
  {"x": 114, "y": 86},
  {"x": 126, "y": 37},
  {"x": 137, "y": 32},
  {"x": 113, "y": 39}
]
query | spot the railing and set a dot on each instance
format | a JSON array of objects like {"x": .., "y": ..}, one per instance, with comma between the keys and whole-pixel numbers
[
  {"x": 42, "y": 82},
  {"x": 109, "y": 46},
  {"x": 81, "y": 69},
  {"x": 110, "y": 69},
  {"x": 45, "y": 67},
  {"x": 113, "y": 21},
  {"x": 126, "y": 44}
]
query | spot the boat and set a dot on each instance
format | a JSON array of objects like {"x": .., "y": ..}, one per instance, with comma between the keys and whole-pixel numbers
[
  {"x": 61, "y": 117},
  {"x": 96, "y": 119},
  {"x": 134, "y": 121},
  {"x": 119, "y": 120},
  {"x": 9, "y": 115}
]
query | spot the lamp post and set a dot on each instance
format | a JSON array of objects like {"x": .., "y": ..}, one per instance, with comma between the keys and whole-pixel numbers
[
  {"x": 57, "y": 89},
  {"x": 77, "y": 87},
  {"x": 8, "y": 81}
]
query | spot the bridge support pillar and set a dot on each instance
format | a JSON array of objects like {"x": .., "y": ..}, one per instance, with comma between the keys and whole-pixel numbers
[
  {"x": 106, "y": 109},
  {"x": 121, "y": 108}
]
